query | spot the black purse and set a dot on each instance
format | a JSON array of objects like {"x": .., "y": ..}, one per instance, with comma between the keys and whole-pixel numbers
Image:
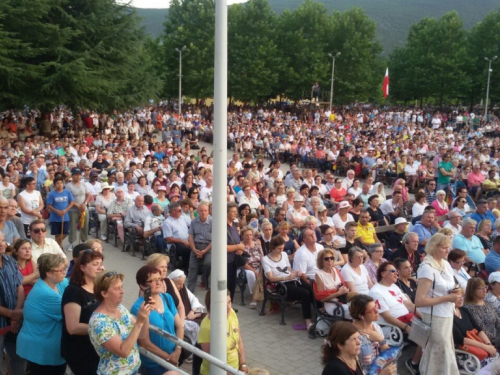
[{"x": 239, "y": 260}]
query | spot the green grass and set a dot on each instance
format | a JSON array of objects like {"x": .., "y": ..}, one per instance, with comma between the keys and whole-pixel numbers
[{"x": 393, "y": 17}]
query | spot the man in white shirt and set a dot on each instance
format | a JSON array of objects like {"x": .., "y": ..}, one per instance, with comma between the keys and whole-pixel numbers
[
  {"x": 206, "y": 192},
  {"x": 454, "y": 223},
  {"x": 305, "y": 256},
  {"x": 42, "y": 245}
]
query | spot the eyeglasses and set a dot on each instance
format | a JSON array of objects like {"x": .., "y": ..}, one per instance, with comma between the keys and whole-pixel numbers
[
  {"x": 38, "y": 230},
  {"x": 326, "y": 259},
  {"x": 64, "y": 270},
  {"x": 327, "y": 233},
  {"x": 459, "y": 263},
  {"x": 155, "y": 280},
  {"x": 392, "y": 270}
]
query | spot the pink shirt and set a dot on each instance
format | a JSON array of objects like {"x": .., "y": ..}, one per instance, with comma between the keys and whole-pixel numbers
[{"x": 474, "y": 179}]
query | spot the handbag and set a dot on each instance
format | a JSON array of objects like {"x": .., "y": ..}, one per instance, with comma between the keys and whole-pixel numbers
[
  {"x": 239, "y": 260},
  {"x": 258, "y": 288},
  {"x": 481, "y": 354},
  {"x": 421, "y": 331}
]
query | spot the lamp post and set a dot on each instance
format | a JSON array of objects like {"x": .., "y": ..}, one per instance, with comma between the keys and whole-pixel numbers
[
  {"x": 180, "y": 79},
  {"x": 488, "y": 86},
  {"x": 333, "y": 73}
]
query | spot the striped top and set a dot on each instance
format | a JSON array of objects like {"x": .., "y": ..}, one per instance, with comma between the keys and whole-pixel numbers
[{"x": 10, "y": 280}]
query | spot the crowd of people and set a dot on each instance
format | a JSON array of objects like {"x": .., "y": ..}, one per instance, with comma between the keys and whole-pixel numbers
[{"x": 391, "y": 213}]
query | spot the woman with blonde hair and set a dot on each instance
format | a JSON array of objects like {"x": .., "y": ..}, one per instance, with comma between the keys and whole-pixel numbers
[
  {"x": 161, "y": 261},
  {"x": 435, "y": 297},
  {"x": 95, "y": 244}
]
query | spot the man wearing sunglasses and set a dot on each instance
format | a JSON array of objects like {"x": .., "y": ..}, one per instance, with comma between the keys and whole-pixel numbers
[{"x": 42, "y": 245}]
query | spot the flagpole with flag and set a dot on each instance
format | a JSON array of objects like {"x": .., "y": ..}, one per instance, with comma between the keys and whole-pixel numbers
[{"x": 385, "y": 85}]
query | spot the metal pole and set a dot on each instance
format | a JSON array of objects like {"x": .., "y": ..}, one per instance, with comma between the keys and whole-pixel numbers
[
  {"x": 333, "y": 56},
  {"x": 218, "y": 279},
  {"x": 488, "y": 86},
  {"x": 161, "y": 361},
  {"x": 180, "y": 79},
  {"x": 193, "y": 349}
]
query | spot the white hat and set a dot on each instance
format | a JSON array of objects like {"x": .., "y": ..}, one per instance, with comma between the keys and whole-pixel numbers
[
  {"x": 176, "y": 274},
  {"x": 344, "y": 204},
  {"x": 298, "y": 198},
  {"x": 400, "y": 220},
  {"x": 105, "y": 185},
  {"x": 494, "y": 277}
]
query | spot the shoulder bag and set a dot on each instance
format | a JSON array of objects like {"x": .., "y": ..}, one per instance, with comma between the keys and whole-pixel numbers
[{"x": 421, "y": 331}]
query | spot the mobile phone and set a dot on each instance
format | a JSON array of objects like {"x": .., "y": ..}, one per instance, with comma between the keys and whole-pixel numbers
[{"x": 147, "y": 294}]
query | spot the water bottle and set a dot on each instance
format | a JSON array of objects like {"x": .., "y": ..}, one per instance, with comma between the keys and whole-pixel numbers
[{"x": 366, "y": 353}]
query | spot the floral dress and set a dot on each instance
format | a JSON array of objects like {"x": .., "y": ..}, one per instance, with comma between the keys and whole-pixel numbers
[
  {"x": 101, "y": 329},
  {"x": 486, "y": 318}
]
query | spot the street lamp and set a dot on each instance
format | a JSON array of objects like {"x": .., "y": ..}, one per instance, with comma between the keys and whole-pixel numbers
[
  {"x": 333, "y": 72},
  {"x": 180, "y": 79},
  {"x": 488, "y": 85}
]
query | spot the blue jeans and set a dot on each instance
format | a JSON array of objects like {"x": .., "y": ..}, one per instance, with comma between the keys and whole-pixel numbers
[
  {"x": 442, "y": 187},
  {"x": 17, "y": 364}
]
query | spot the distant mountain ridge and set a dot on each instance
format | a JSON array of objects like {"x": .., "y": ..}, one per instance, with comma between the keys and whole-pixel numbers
[{"x": 393, "y": 17}]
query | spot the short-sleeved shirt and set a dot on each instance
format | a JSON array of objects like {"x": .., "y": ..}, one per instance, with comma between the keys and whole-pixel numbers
[
  {"x": 305, "y": 261},
  {"x": 473, "y": 247},
  {"x": 366, "y": 233},
  {"x": 176, "y": 228},
  {"x": 492, "y": 261},
  {"x": 79, "y": 192},
  {"x": 10, "y": 280},
  {"x": 49, "y": 247},
  {"x": 201, "y": 231},
  {"x": 444, "y": 282},
  {"x": 360, "y": 281},
  {"x": 10, "y": 232},
  {"x": 60, "y": 201},
  {"x": 101, "y": 329},
  {"x": 447, "y": 166},
  {"x": 389, "y": 299}
]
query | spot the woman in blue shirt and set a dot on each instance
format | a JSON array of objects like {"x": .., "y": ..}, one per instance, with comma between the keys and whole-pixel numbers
[
  {"x": 39, "y": 340},
  {"x": 164, "y": 316}
]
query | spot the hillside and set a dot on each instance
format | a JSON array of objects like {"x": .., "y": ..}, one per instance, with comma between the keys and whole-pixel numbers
[{"x": 393, "y": 17}]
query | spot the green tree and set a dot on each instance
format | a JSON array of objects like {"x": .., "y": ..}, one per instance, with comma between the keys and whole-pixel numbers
[
  {"x": 301, "y": 37},
  {"x": 252, "y": 51},
  {"x": 189, "y": 23},
  {"x": 359, "y": 70},
  {"x": 484, "y": 41},
  {"x": 89, "y": 53}
]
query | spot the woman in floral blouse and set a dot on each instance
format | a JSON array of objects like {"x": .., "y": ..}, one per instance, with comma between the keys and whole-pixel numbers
[{"x": 113, "y": 330}]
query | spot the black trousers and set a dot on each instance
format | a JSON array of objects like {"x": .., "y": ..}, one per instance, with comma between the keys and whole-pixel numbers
[
  {"x": 37, "y": 369},
  {"x": 184, "y": 253},
  {"x": 231, "y": 279},
  {"x": 302, "y": 293}
]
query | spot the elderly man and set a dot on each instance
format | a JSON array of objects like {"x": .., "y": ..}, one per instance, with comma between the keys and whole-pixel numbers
[
  {"x": 11, "y": 216},
  {"x": 409, "y": 251},
  {"x": 394, "y": 242},
  {"x": 207, "y": 191},
  {"x": 120, "y": 181},
  {"x": 297, "y": 214},
  {"x": 81, "y": 197},
  {"x": 176, "y": 232},
  {"x": 365, "y": 232},
  {"x": 393, "y": 207},
  {"x": 7, "y": 228},
  {"x": 454, "y": 223},
  {"x": 200, "y": 242},
  {"x": 11, "y": 312},
  {"x": 468, "y": 242},
  {"x": 152, "y": 226},
  {"x": 136, "y": 215},
  {"x": 40, "y": 244},
  {"x": 305, "y": 256},
  {"x": 425, "y": 229}
]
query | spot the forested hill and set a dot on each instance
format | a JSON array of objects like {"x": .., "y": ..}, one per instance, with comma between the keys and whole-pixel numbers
[{"x": 393, "y": 17}]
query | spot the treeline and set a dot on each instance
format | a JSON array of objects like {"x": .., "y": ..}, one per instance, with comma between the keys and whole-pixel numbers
[
  {"x": 81, "y": 53},
  {"x": 271, "y": 55}
]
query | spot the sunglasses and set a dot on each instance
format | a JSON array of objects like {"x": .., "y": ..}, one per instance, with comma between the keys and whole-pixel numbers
[
  {"x": 326, "y": 259},
  {"x": 393, "y": 270},
  {"x": 38, "y": 230},
  {"x": 110, "y": 274}
]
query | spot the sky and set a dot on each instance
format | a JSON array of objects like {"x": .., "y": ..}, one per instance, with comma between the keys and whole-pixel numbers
[{"x": 165, "y": 3}]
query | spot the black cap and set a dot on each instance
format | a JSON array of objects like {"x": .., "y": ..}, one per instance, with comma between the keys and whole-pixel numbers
[{"x": 76, "y": 171}]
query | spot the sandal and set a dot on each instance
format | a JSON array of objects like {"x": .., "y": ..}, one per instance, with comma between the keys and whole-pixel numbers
[{"x": 253, "y": 305}]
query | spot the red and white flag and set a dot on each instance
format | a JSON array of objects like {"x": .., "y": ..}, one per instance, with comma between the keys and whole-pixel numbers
[{"x": 385, "y": 85}]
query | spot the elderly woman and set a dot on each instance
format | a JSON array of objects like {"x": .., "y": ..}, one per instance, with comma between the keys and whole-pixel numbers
[
  {"x": 235, "y": 347},
  {"x": 379, "y": 190},
  {"x": 102, "y": 204},
  {"x": 436, "y": 294},
  {"x": 341, "y": 351},
  {"x": 355, "y": 273},
  {"x": 252, "y": 201},
  {"x": 342, "y": 217},
  {"x": 484, "y": 231},
  {"x": 142, "y": 186},
  {"x": 7, "y": 188},
  {"x": 364, "y": 313},
  {"x": 323, "y": 218},
  {"x": 271, "y": 206},
  {"x": 375, "y": 259},
  {"x": 27, "y": 267},
  {"x": 161, "y": 198},
  {"x": 112, "y": 329},
  {"x": 456, "y": 258},
  {"x": 482, "y": 310},
  {"x": 330, "y": 242},
  {"x": 440, "y": 204},
  {"x": 329, "y": 284},
  {"x": 78, "y": 304},
  {"x": 39, "y": 340},
  {"x": 313, "y": 205},
  {"x": 253, "y": 265},
  {"x": 463, "y": 323},
  {"x": 493, "y": 295},
  {"x": 164, "y": 315}
]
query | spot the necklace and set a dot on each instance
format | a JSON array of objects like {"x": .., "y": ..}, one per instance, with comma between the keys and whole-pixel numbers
[{"x": 356, "y": 365}]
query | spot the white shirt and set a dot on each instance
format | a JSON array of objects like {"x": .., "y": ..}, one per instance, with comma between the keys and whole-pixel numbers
[
  {"x": 49, "y": 247},
  {"x": 338, "y": 223},
  {"x": 389, "y": 299},
  {"x": 305, "y": 260},
  {"x": 360, "y": 281}
]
